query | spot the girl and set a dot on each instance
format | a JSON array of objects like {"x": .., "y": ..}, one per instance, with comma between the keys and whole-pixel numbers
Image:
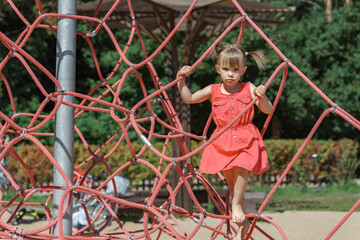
[{"x": 240, "y": 149}]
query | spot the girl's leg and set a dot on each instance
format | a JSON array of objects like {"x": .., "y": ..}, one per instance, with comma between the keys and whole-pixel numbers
[{"x": 237, "y": 179}]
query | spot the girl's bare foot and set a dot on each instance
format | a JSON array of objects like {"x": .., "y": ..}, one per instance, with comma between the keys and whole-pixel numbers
[
  {"x": 238, "y": 215},
  {"x": 238, "y": 234}
]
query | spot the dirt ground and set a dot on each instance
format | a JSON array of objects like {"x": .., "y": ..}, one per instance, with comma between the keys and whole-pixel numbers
[{"x": 296, "y": 225}]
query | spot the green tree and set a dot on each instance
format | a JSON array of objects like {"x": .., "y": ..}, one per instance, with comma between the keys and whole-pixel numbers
[{"x": 328, "y": 54}]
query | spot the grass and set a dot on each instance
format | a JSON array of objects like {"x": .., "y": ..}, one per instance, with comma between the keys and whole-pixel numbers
[
  {"x": 34, "y": 199},
  {"x": 328, "y": 198}
]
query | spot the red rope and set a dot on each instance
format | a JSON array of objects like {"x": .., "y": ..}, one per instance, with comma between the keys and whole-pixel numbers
[{"x": 128, "y": 120}]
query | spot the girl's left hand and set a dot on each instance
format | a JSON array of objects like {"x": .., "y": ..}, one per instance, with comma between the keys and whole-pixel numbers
[{"x": 260, "y": 91}]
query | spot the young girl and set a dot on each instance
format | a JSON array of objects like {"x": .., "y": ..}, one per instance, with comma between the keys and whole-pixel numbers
[{"x": 240, "y": 149}]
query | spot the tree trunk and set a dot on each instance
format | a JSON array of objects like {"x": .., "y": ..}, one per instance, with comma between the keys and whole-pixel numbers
[{"x": 328, "y": 4}]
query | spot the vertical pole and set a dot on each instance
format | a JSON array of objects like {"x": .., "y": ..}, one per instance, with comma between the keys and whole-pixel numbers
[{"x": 64, "y": 118}]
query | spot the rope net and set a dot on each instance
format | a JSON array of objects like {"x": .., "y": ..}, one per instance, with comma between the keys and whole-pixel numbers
[{"x": 157, "y": 220}]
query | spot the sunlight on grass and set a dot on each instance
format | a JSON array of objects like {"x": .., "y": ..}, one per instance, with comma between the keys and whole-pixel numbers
[{"x": 326, "y": 198}]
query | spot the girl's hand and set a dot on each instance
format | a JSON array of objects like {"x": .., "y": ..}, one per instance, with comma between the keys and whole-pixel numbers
[
  {"x": 260, "y": 91},
  {"x": 184, "y": 71}
]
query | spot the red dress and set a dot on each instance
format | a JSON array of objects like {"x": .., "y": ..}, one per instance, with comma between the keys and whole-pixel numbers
[{"x": 241, "y": 145}]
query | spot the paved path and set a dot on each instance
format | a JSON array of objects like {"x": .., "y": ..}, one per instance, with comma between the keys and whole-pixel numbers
[{"x": 297, "y": 225}]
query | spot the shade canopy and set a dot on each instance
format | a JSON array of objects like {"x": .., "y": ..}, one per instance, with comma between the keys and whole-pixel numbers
[{"x": 212, "y": 14}]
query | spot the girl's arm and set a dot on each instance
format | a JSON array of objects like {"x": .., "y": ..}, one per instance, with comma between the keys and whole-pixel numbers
[
  {"x": 189, "y": 97},
  {"x": 264, "y": 104}
]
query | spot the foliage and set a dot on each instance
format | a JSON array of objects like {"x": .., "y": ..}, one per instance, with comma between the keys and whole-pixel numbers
[
  {"x": 37, "y": 162},
  {"x": 337, "y": 161},
  {"x": 328, "y": 53}
]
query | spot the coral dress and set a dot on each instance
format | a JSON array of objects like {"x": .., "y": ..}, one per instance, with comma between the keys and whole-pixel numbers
[{"x": 241, "y": 145}]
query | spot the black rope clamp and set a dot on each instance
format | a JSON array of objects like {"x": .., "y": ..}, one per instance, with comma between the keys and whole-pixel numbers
[
  {"x": 131, "y": 237},
  {"x": 146, "y": 207},
  {"x": 61, "y": 92},
  {"x": 101, "y": 21},
  {"x": 258, "y": 215},
  {"x": 334, "y": 108}
]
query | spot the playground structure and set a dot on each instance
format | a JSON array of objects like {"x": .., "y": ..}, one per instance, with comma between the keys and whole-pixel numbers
[{"x": 130, "y": 120}]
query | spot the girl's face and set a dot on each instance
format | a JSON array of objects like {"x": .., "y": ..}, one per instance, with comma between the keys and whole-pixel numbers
[{"x": 230, "y": 75}]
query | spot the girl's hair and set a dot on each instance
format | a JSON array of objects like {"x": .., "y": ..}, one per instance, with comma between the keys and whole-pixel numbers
[{"x": 235, "y": 55}]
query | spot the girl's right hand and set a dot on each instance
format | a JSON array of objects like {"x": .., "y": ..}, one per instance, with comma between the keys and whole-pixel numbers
[{"x": 185, "y": 71}]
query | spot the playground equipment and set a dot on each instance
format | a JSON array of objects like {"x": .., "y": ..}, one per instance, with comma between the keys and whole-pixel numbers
[{"x": 130, "y": 120}]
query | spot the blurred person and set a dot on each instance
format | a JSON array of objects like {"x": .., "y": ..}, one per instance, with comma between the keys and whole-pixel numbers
[{"x": 4, "y": 181}]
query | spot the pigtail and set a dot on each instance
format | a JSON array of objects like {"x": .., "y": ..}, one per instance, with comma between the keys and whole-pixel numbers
[
  {"x": 215, "y": 52},
  {"x": 259, "y": 58}
]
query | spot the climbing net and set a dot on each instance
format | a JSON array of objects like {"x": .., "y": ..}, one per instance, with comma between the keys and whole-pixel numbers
[{"x": 157, "y": 220}]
